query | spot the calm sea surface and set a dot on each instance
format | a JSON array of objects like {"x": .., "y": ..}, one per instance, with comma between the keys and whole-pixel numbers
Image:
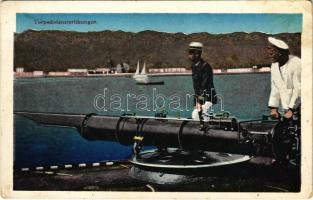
[{"x": 245, "y": 96}]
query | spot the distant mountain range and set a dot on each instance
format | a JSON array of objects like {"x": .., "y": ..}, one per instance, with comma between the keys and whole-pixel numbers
[{"x": 60, "y": 50}]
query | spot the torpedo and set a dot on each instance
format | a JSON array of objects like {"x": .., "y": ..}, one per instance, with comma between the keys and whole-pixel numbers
[{"x": 180, "y": 144}]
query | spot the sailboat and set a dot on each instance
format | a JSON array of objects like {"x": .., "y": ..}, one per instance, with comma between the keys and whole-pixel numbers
[{"x": 142, "y": 77}]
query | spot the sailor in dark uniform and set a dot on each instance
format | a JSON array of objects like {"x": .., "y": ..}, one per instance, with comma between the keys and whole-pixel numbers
[{"x": 202, "y": 76}]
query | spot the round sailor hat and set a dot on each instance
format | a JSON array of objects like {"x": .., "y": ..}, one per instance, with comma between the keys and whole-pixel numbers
[
  {"x": 278, "y": 43},
  {"x": 195, "y": 45}
]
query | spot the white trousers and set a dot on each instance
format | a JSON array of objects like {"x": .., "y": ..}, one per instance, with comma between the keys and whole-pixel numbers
[{"x": 205, "y": 110}]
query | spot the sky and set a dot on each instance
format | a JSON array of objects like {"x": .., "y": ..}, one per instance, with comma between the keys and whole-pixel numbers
[{"x": 165, "y": 22}]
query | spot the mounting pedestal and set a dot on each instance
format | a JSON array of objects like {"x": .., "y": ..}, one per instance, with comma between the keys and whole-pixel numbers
[{"x": 175, "y": 166}]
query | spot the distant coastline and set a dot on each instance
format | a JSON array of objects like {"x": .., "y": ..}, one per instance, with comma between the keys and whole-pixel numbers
[{"x": 53, "y": 51}]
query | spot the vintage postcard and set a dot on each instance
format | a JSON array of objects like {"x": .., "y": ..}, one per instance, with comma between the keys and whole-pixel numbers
[{"x": 134, "y": 99}]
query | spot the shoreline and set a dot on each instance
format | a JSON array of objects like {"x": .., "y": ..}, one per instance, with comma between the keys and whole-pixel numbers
[{"x": 188, "y": 73}]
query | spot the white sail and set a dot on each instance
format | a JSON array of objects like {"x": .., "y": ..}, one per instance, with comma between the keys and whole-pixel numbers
[
  {"x": 143, "y": 71},
  {"x": 138, "y": 69},
  {"x": 141, "y": 77}
]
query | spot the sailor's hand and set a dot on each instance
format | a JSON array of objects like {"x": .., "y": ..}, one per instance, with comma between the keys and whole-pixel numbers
[
  {"x": 198, "y": 107},
  {"x": 274, "y": 113},
  {"x": 207, "y": 105},
  {"x": 288, "y": 114}
]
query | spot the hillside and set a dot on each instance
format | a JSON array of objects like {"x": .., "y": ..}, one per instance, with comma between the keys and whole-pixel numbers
[{"x": 60, "y": 50}]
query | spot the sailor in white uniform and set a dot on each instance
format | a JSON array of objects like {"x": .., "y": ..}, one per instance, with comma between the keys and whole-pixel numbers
[{"x": 285, "y": 79}]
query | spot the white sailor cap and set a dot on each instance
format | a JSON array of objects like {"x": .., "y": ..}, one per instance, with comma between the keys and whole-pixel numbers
[
  {"x": 195, "y": 45},
  {"x": 278, "y": 43}
]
